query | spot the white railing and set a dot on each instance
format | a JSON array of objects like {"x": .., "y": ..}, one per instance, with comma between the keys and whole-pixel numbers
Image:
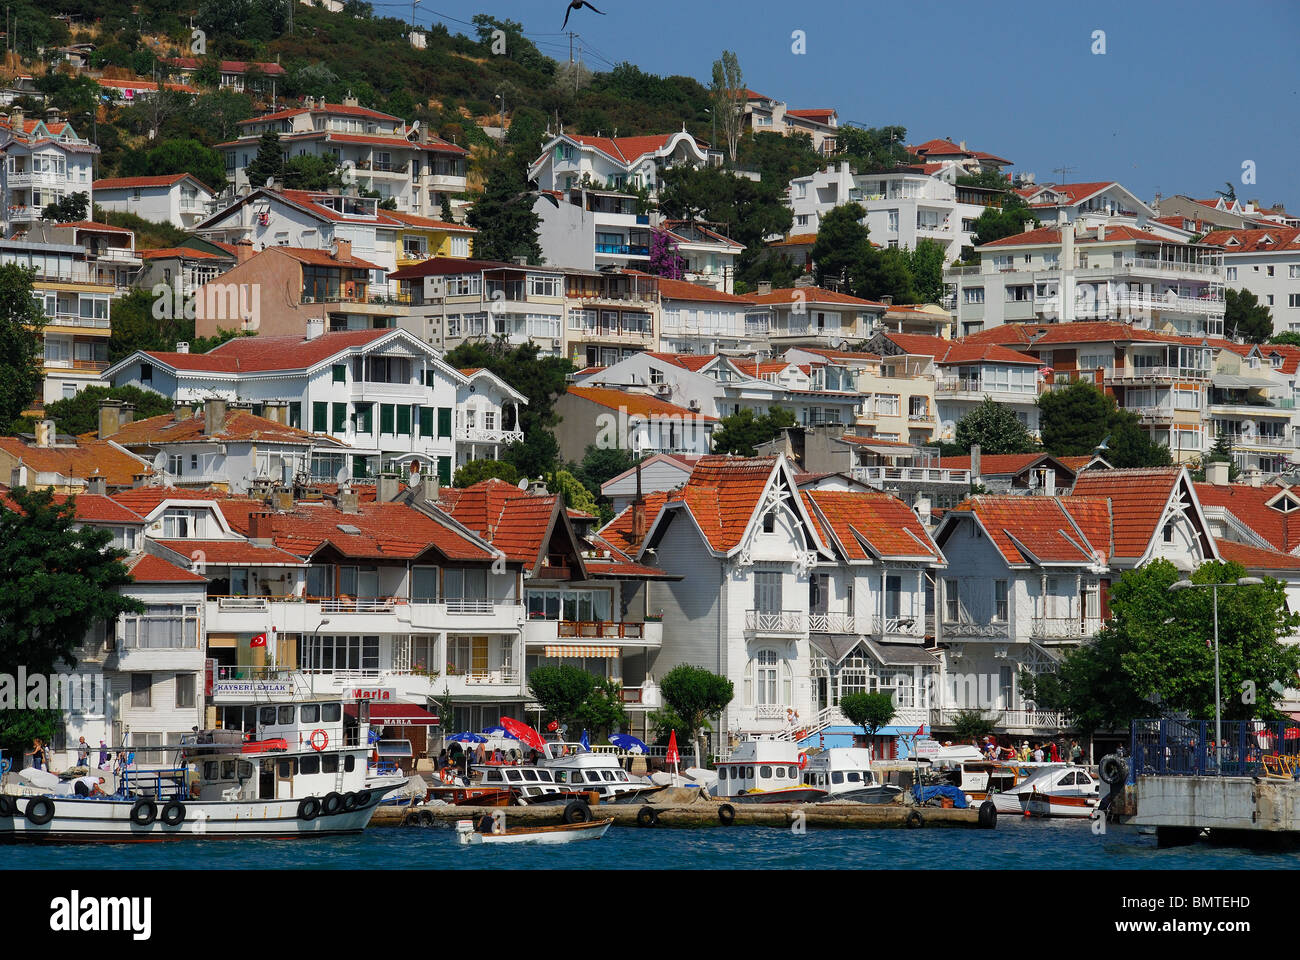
[
  {"x": 831, "y": 623},
  {"x": 1055, "y": 628},
  {"x": 912, "y": 626},
  {"x": 1036, "y": 719},
  {"x": 484, "y": 435},
  {"x": 242, "y": 603},
  {"x": 923, "y": 474},
  {"x": 976, "y": 385},
  {"x": 378, "y": 605},
  {"x": 963, "y": 628},
  {"x": 469, "y": 605},
  {"x": 774, "y": 621},
  {"x": 504, "y": 676},
  {"x": 770, "y": 711},
  {"x": 1158, "y": 373},
  {"x": 76, "y": 320}
]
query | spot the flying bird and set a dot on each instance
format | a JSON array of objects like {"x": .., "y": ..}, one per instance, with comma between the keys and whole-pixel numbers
[{"x": 577, "y": 5}]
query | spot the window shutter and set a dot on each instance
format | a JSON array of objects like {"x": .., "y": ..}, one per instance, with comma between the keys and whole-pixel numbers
[{"x": 749, "y": 683}]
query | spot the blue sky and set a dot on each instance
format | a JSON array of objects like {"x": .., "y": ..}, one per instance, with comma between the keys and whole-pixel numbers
[{"x": 1185, "y": 93}]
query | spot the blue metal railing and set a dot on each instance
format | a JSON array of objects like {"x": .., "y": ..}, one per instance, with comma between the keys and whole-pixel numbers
[{"x": 1186, "y": 748}]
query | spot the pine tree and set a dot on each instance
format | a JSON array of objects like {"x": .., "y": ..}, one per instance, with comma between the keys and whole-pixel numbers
[
  {"x": 507, "y": 225},
  {"x": 269, "y": 162}
]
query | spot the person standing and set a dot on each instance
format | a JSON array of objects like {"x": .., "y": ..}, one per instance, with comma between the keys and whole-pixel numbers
[
  {"x": 1076, "y": 752},
  {"x": 37, "y": 753},
  {"x": 103, "y": 754},
  {"x": 83, "y": 753}
]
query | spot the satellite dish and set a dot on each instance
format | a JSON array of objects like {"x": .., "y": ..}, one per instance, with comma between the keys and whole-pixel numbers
[
  {"x": 523, "y": 484},
  {"x": 160, "y": 461},
  {"x": 270, "y": 182}
]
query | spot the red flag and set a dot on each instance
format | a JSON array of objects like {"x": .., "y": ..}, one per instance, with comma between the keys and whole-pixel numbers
[
  {"x": 258, "y": 641},
  {"x": 672, "y": 749},
  {"x": 920, "y": 731}
]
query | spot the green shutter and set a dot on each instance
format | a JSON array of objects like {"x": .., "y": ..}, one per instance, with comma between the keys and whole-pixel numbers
[
  {"x": 404, "y": 420},
  {"x": 365, "y": 417},
  {"x": 444, "y": 421},
  {"x": 386, "y": 418},
  {"x": 359, "y": 467},
  {"x": 295, "y": 415},
  {"x": 444, "y": 470},
  {"x": 320, "y": 417},
  {"x": 426, "y": 421},
  {"x": 340, "y": 412},
  {"x": 340, "y": 373}
]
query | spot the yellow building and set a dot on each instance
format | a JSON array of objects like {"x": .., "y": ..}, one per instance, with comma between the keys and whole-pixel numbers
[{"x": 419, "y": 238}]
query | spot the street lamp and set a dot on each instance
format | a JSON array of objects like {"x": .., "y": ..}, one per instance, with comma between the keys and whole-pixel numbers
[
  {"x": 1186, "y": 584},
  {"x": 316, "y": 635}
]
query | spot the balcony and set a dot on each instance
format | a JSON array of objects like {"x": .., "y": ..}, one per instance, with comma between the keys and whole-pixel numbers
[
  {"x": 1007, "y": 719},
  {"x": 1063, "y": 628},
  {"x": 770, "y": 622},
  {"x": 1156, "y": 375},
  {"x": 538, "y": 632},
  {"x": 910, "y": 626},
  {"x": 484, "y": 435},
  {"x": 445, "y": 182},
  {"x": 1251, "y": 410},
  {"x": 831, "y": 623},
  {"x": 87, "y": 366},
  {"x": 76, "y": 320},
  {"x": 876, "y": 475},
  {"x": 964, "y": 629},
  {"x": 973, "y": 388},
  {"x": 623, "y": 249}
]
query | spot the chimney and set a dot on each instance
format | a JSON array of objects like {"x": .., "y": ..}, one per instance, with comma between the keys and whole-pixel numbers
[
  {"x": 110, "y": 418},
  {"x": 341, "y": 250},
  {"x": 16, "y": 119},
  {"x": 243, "y": 250},
  {"x": 764, "y": 287},
  {"x": 1216, "y": 472},
  {"x": 1027, "y": 226},
  {"x": 638, "y": 509},
  {"x": 887, "y": 300},
  {"x": 423, "y": 486},
  {"x": 139, "y": 480},
  {"x": 52, "y": 115},
  {"x": 181, "y": 411},
  {"x": 315, "y": 327},
  {"x": 1101, "y": 232},
  {"x": 1156, "y": 203},
  {"x": 45, "y": 434},
  {"x": 126, "y": 414},
  {"x": 350, "y": 100},
  {"x": 261, "y": 527},
  {"x": 922, "y": 508},
  {"x": 214, "y": 417},
  {"x": 97, "y": 484},
  {"x": 283, "y": 501},
  {"x": 182, "y": 346},
  {"x": 974, "y": 463},
  {"x": 522, "y": 261},
  {"x": 277, "y": 410},
  {"x": 349, "y": 501},
  {"x": 386, "y": 488}
]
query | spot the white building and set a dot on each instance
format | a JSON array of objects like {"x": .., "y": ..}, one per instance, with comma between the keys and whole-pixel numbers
[
  {"x": 615, "y": 164},
  {"x": 1267, "y": 263},
  {"x": 703, "y": 320},
  {"x": 179, "y": 198},
  {"x": 45, "y": 161}
]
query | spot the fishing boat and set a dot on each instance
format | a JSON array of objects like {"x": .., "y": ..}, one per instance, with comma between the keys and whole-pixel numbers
[
  {"x": 846, "y": 776},
  {"x": 1048, "y": 790},
  {"x": 559, "y": 833},
  {"x": 302, "y": 774},
  {"x": 765, "y": 771},
  {"x": 563, "y": 771}
]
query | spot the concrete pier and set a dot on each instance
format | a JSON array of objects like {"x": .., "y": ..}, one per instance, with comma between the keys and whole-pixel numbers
[
  {"x": 1233, "y": 809},
  {"x": 705, "y": 814}
]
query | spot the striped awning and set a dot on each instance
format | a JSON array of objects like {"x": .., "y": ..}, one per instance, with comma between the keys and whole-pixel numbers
[{"x": 580, "y": 650}]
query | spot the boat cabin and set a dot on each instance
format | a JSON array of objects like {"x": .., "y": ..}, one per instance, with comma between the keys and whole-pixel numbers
[
  {"x": 759, "y": 765},
  {"x": 840, "y": 769}
]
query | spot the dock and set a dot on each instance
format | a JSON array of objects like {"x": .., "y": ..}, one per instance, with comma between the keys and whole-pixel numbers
[{"x": 702, "y": 814}]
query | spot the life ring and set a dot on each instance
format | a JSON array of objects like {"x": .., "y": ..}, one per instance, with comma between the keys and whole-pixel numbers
[
  {"x": 39, "y": 811},
  {"x": 577, "y": 811},
  {"x": 726, "y": 814},
  {"x": 803, "y": 760},
  {"x": 915, "y": 820},
  {"x": 173, "y": 813},
  {"x": 7, "y": 808},
  {"x": 309, "y": 809},
  {"x": 324, "y": 740},
  {"x": 446, "y": 776},
  {"x": 144, "y": 813},
  {"x": 647, "y": 817},
  {"x": 988, "y": 815},
  {"x": 332, "y": 804}
]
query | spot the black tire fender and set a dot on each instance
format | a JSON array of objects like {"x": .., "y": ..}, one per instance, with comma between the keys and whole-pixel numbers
[
  {"x": 332, "y": 804},
  {"x": 988, "y": 815},
  {"x": 363, "y": 799},
  {"x": 39, "y": 811},
  {"x": 309, "y": 809},
  {"x": 426, "y": 818},
  {"x": 349, "y": 802},
  {"x": 647, "y": 817},
  {"x": 915, "y": 820},
  {"x": 173, "y": 813},
  {"x": 144, "y": 813},
  {"x": 1112, "y": 770},
  {"x": 7, "y": 807},
  {"x": 577, "y": 811},
  {"x": 726, "y": 814}
]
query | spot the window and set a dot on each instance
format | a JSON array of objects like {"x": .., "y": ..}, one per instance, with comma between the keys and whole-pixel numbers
[
  {"x": 146, "y": 373},
  {"x": 951, "y": 609},
  {"x": 141, "y": 690},
  {"x": 175, "y": 464},
  {"x": 1269, "y": 270},
  {"x": 1231, "y": 273},
  {"x": 363, "y": 417},
  {"x": 1000, "y": 601},
  {"x": 444, "y": 422},
  {"x": 543, "y": 286},
  {"x": 404, "y": 420},
  {"x": 386, "y": 417},
  {"x": 767, "y": 592},
  {"x": 340, "y": 373},
  {"x": 185, "y": 690},
  {"x": 974, "y": 294},
  {"x": 769, "y": 521},
  {"x": 339, "y": 423},
  {"x": 426, "y": 421},
  {"x": 319, "y": 417},
  {"x": 1168, "y": 532},
  {"x": 766, "y": 676},
  {"x": 1293, "y": 300}
]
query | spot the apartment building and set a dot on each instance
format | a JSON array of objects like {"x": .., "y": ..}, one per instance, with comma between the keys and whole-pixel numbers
[
  {"x": 184, "y": 269},
  {"x": 1220, "y": 213},
  {"x": 768, "y": 115},
  {"x": 376, "y": 151},
  {"x": 613, "y": 164},
  {"x": 1162, "y": 377},
  {"x": 1079, "y": 271},
  {"x": 609, "y": 315},
  {"x": 180, "y": 199},
  {"x": 459, "y": 301},
  {"x": 45, "y": 161},
  {"x": 1102, "y": 201},
  {"x": 702, "y": 320},
  {"x": 386, "y": 393},
  {"x": 641, "y": 424},
  {"x": 813, "y": 316},
  {"x": 1267, "y": 263},
  {"x": 903, "y": 206}
]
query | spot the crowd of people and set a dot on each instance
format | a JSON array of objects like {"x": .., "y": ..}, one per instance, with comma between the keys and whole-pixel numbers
[{"x": 1049, "y": 751}]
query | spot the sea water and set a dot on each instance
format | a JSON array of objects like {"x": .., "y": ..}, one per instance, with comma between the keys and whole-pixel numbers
[{"x": 1015, "y": 844}]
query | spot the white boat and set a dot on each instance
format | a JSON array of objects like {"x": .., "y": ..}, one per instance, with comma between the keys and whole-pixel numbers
[
  {"x": 560, "y": 833},
  {"x": 565, "y": 769},
  {"x": 765, "y": 771},
  {"x": 1054, "y": 790},
  {"x": 845, "y": 774},
  {"x": 303, "y": 776}
]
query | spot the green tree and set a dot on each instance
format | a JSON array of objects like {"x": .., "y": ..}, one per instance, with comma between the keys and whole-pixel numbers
[
  {"x": 694, "y": 694},
  {"x": 1128, "y": 445},
  {"x": 561, "y": 691},
  {"x": 1156, "y": 654},
  {"x": 79, "y": 413},
  {"x": 218, "y": 115},
  {"x": 989, "y": 179},
  {"x": 873, "y": 148},
  {"x": 603, "y": 710},
  {"x": 478, "y": 470},
  {"x": 570, "y": 488},
  {"x": 178, "y": 156},
  {"x": 310, "y": 172},
  {"x": 995, "y": 428},
  {"x": 742, "y": 432},
  {"x": 21, "y": 325},
  {"x": 727, "y": 94},
  {"x": 507, "y": 226},
  {"x": 870, "y": 711},
  {"x": 972, "y": 725},
  {"x": 925, "y": 264},
  {"x": 995, "y": 223},
  {"x": 67, "y": 209},
  {"x": 1076, "y": 422},
  {"x": 1289, "y": 337},
  {"x": 1244, "y": 316},
  {"x": 886, "y": 273},
  {"x": 842, "y": 246},
  {"x": 18, "y": 728},
  {"x": 135, "y": 327},
  {"x": 268, "y": 163},
  {"x": 75, "y": 571}
]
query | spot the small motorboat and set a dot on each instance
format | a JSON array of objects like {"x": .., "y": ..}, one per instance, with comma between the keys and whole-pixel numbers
[
  {"x": 764, "y": 771},
  {"x": 1056, "y": 790},
  {"x": 559, "y": 833},
  {"x": 1053, "y": 805},
  {"x": 486, "y": 798},
  {"x": 846, "y": 774}
]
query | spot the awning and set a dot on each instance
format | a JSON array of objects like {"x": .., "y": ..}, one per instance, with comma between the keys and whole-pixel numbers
[
  {"x": 899, "y": 654},
  {"x": 579, "y": 650},
  {"x": 837, "y": 646},
  {"x": 396, "y": 715},
  {"x": 1233, "y": 381}
]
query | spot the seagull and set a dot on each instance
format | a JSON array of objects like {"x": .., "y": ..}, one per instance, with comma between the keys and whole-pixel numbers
[
  {"x": 551, "y": 198},
  {"x": 577, "y": 5}
]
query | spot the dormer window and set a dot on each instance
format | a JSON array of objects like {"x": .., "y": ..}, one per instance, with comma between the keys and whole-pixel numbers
[
  {"x": 769, "y": 521},
  {"x": 1168, "y": 532}
]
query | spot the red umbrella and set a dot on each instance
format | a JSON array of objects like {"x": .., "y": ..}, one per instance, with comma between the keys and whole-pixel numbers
[
  {"x": 524, "y": 733},
  {"x": 672, "y": 749}
]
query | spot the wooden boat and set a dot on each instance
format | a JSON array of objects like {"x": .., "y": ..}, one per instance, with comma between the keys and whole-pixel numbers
[
  {"x": 764, "y": 771},
  {"x": 560, "y": 833},
  {"x": 485, "y": 798}
]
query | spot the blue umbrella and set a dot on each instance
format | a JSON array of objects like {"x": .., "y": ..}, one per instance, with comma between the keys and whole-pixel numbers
[
  {"x": 499, "y": 732},
  {"x": 625, "y": 741},
  {"x": 466, "y": 738}
]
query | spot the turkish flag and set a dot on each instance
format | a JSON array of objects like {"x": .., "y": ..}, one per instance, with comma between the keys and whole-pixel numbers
[
  {"x": 672, "y": 749},
  {"x": 258, "y": 641}
]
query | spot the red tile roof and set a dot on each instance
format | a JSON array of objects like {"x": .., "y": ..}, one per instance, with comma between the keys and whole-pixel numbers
[
  {"x": 808, "y": 295},
  {"x": 821, "y": 116},
  {"x": 626, "y": 149},
  {"x": 167, "y": 180},
  {"x": 425, "y": 223},
  {"x": 949, "y": 351},
  {"x": 619, "y": 531},
  {"x": 226, "y": 552},
  {"x": 228, "y": 66},
  {"x": 515, "y": 522},
  {"x": 1052, "y": 235},
  {"x": 144, "y": 500},
  {"x": 996, "y": 464},
  {"x": 323, "y": 258},
  {"x": 1032, "y": 529},
  {"x": 339, "y": 109},
  {"x": 723, "y": 494},
  {"x": 150, "y": 569},
  {"x": 689, "y": 361},
  {"x": 866, "y": 525},
  {"x": 1082, "y": 331},
  {"x": 1256, "y": 558},
  {"x": 255, "y": 354},
  {"x": 636, "y": 404},
  {"x": 96, "y": 508},
  {"x": 1273, "y": 240},
  {"x": 1077, "y": 192},
  {"x": 86, "y": 459},
  {"x": 1137, "y": 498},
  {"x": 187, "y": 253},
  {"x": 239, "y": 425},
  {"x": 1249, "y": 505},
  {"x": 681, "y": 290}
]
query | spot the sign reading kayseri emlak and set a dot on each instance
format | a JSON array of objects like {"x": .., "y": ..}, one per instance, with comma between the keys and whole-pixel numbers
[
  {"x": 252, "y": 688},
  {"x": 369, "y": 693}
]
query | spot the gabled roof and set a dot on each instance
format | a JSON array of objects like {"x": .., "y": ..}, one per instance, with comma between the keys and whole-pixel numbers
[
  {"x": 810, "y": 294},
  {"x": 147, "y": 568},
  {"x": 100, "y": 509},
  {"x": 871, "y": 525},
  {"x": 1033, "y": 530},
  {"x": 1002, "y": 464},
  {"x": 339, "y": 109},
  {"x": 681, "y": 290},
  {"x": 1138, "y": 498},
  {"x": 1080, "y": 331},
  {"x": 1251, "y": 507},
  {"x": 948, "y": 351},
  {"x": 232, "y": 552},
  {"x": 167, "y": 180},
  {"x": 636, "y": 404},
  {"x": 239, "y": 426},
  {"x": 1256, "y": 558},
  {"x": 1040, "y": 236},
  {"x": 1273, "y": 240},
  {"x": 89, "y": 457},
  {"x": 183, "y": 253},
  {"x": 228, "y": 66},
  {"x": 519, "y": 524},
  {"x": 619, "y": 531}
]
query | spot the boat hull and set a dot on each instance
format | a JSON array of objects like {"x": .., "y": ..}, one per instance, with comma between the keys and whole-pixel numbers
[
  {"x": 564, "y": 833},
  {"x": 796, "y": 795},
  {"x": 870, "y": 795},
  {"x": 84, "y": 820},
  {"x": 1045, "y": 805}
]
